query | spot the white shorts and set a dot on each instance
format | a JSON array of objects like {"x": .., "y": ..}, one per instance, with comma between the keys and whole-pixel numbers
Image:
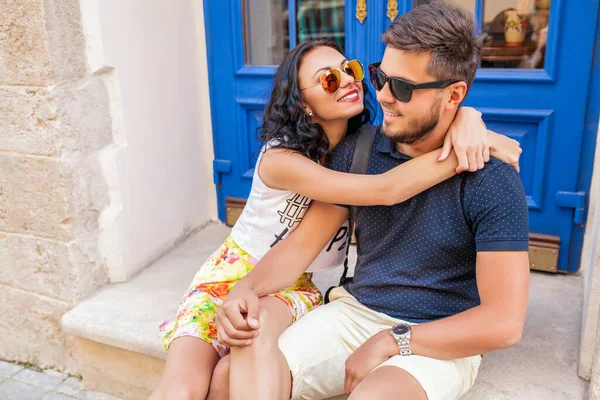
[{"x": 316, "y": 348}]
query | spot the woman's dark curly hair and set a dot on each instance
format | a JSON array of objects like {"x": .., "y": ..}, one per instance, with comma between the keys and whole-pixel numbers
[{"x": 285, "y": 121}]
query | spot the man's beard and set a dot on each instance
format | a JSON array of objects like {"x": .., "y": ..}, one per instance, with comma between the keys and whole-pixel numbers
[{"x": 417, "y": 129}]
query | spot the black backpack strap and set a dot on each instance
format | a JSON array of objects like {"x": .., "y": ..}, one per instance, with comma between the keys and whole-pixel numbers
[
  {"x": 362, "y": 149},
  {"x": 360, "y": 162}
]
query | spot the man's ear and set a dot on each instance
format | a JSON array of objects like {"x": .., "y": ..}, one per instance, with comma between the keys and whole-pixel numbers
[{"x": 458, "y": 91}]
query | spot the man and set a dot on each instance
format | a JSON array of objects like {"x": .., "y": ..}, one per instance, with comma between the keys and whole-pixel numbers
[{"x": 441, "y": 278}]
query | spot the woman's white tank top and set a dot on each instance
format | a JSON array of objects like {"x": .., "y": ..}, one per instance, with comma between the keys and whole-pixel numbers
[{"x": 270, "y": 215}]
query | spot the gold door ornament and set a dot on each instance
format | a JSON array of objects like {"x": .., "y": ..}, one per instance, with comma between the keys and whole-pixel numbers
[
  {"x": 392, "y": 10},
  {"x": 361, "y": 10}
]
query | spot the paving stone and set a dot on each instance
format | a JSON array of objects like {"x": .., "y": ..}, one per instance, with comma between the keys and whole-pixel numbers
[
  {"x": 91, "y": 395},
  {"x": 9, "y": 369},
  {"x": 71, "y": 387},
  {"x": 56, "y": 396},
  {"x": 29, "y": 384},
  {"x": 15, "y": 390},
  {"x": 51, "y": 372},
  {"x": 38, "y": 379}
]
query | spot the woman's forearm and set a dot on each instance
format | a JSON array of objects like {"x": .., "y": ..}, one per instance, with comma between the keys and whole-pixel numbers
[
  {"x": 290, "y": 258},
  {"x": 294, "y": 172},
  {"x": 417, "y": 175},
  {"x": 278, "y": 269}
]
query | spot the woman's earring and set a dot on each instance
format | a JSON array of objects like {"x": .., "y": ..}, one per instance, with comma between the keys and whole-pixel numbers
[{"x": 310, "y": 114}]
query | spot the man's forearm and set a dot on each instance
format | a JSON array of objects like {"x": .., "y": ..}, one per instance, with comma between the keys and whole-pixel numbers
[
  {"x": 503, "y": 286},
  {"x": 475, "y": 331}
]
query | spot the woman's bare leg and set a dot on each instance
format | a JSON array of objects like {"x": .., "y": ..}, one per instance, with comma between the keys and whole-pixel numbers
[
  {"x": 219, "y": 385},
  {"x": 260, "y": 371},
  {"x": 188, "y": 371}
]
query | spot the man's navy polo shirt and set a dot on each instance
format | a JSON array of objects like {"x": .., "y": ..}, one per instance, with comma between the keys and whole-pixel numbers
[{"x": 416, "y": 259}]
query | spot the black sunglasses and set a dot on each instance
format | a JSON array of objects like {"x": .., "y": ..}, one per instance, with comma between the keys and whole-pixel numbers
[{"x": 401, "y": 89}]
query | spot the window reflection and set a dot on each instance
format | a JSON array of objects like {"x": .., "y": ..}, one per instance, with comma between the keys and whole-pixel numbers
[
  {"x": 266, "y": 31},
  {"x": 467, "y": 5},
  {"x": 266, "y": 27},
  {"x": 515, "y": 33},
  {"x": 320, "y": 18}
]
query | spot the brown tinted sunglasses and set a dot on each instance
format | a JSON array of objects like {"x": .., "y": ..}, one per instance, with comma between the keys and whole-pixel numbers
[{"x": 331, "y": 80}]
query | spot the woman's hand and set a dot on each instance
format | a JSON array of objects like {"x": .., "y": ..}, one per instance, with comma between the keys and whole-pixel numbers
[
  {"x": 237, "y": 319},
  {"x": 467, "y": 135},
  {"x": 505, "y": 149}
]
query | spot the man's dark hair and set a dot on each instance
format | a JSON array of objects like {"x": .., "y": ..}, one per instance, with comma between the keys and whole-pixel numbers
[{"x": 447, "y": 32}]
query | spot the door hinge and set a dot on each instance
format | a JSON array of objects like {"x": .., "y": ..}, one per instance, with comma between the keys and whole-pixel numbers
[
  {"x": 574, "y": 200},
  {"x": 220, "y": 167}
]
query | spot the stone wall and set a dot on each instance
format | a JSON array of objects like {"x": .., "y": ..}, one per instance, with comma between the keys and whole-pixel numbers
[
  {"x": 105, "y": 154},
  {"x": 590, "y": 266},
  {"x": 589, "y": 355},
  {"x": 54, "y": 119}
]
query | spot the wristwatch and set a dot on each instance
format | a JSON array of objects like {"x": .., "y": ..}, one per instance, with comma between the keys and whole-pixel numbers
[{"x": 401, "y": 332}]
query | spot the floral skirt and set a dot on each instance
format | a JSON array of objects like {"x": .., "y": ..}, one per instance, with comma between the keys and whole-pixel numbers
[{"x": 212, "y": 284}]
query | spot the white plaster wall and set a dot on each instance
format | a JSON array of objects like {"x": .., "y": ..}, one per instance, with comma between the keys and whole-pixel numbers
[
  {"x": 162, "y": 165},
  {"x": 203, "y": 115},
  {"x": 590, "y": 268}
]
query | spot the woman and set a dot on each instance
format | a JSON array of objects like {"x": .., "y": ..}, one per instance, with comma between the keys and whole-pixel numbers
[{"x": 318, "y": 98}]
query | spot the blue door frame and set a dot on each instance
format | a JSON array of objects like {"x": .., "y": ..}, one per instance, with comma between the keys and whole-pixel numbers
[{"x": 553, "y": 112}]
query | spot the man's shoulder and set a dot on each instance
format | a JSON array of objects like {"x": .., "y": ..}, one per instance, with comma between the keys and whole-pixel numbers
[
  {"x": 495, "y": 171},
  {"x": 341, "y": 156},
  {"x": 495, "y": 205},
  {"x": 497, "y": 183},
  {"x": 348, "y": 143}
]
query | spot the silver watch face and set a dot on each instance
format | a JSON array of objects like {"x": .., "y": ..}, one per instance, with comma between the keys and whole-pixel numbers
[{"x": 401, "y": 329}]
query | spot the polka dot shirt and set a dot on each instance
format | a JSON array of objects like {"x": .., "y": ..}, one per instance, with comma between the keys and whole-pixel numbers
[{"x": 416, "y": 259}]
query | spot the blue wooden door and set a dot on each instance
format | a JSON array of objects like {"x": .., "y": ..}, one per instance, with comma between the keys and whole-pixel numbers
[{"x": 535, "y": 91}]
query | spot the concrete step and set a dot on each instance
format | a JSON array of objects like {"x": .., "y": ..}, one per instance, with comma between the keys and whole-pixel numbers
[
  {"x": 116, "y": 331},
  {"x": 117, "y": 341}
]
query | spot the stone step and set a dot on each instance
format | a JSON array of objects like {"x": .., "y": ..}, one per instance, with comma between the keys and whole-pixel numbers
[
  {"x": 115, "y": 332},
  {"x": 118, "y": 346}
]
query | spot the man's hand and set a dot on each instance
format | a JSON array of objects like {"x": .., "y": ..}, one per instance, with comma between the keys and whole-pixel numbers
[
  {"x": 370, "y": 355},
  {"x": 505, "y": 149},
  {"x": 468, "y": 136},
  {"x": 237, "y": 320}
]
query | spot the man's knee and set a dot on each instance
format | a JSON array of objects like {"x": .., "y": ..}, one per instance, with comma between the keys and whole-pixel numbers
[
  {"x": 369, "y": 392},
  {"x": 365, "y": 392},
  {"x": 179, "y": 390},
  {"x": 219, "y": 384},
  {"x": 389, "y": 382}
]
